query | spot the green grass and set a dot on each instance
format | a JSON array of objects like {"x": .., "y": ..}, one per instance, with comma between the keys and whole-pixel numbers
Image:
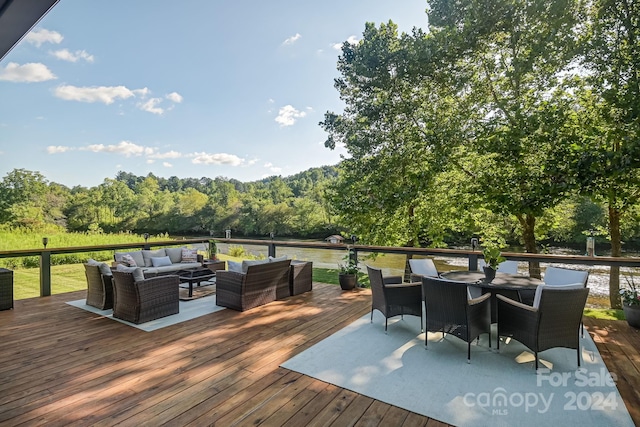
[
  {"x": 604, "y": 313},
  {"x": 64, "y": 278}
]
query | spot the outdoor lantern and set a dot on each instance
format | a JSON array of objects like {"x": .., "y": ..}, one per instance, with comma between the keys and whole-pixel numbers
[
  {"x": 146, "y": 236},
  {"x": 45, "y": 240},
  {"x": 354, "y": 238},
  {"x": 227, "y": 234},
  {"x": 272, "y": 234},
  {"x": 474, "y": 243}
]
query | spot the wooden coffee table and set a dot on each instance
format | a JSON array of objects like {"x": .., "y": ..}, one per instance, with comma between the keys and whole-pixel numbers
[{"x": 196, "y": 276}]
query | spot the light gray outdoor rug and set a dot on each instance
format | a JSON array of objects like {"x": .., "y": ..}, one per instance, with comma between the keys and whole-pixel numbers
[
  {"x": 495, "y": 389},
  {"x": 188, "y": 310}
]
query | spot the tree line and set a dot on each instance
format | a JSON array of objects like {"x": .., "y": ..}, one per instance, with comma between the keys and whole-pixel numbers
[{"x": 502, "y": 110}]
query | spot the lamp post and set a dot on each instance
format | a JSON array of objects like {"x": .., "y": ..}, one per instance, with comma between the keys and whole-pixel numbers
[{"x": 45, "y": 241}]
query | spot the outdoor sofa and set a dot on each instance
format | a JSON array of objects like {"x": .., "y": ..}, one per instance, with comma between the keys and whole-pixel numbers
[
  {"x": 161, "y": 261},
  {"x": 258, "y": 283}
]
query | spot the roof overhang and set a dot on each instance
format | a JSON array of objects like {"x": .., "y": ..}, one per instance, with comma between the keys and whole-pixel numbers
[{"x": 17, "y": 17}]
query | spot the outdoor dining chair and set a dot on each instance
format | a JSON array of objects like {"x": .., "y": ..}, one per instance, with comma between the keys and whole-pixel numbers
[
  {"x": 450, "y": 310},
  {"x": 553, "y": 320},
  {"x": 422, "y": 267},
  {"x": 509, "y": 267},
  {"x": 393, "y": 298}
]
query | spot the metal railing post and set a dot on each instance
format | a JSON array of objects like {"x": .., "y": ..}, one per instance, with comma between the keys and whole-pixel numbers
[
  {"x": 473, "y": 262},
  {"x": 272, "y": 249},
  {"x": 45, "y": 274}
]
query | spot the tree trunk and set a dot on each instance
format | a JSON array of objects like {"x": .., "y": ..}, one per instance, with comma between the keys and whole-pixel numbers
[
  {"x": 528, "y": 224},
  {"x": 616, "y": 251}
]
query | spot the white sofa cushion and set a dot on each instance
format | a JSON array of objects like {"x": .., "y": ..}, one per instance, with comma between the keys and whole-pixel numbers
[
  {"x": 147, "y": 255},
  {"x": 248, "y": 262},
  {"x": 104, "y": 267},
  {"x": 235, "y": 266},
  {"x": 136, "y": 255},
  {"x": 175, "y": 254}
]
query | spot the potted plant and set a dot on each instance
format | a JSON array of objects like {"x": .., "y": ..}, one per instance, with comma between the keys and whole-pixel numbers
[
  {"x": 213, "y": 250},
  {"x": 492, "y": 259},
  {"x": 348, "y": 271},
  {"x": 631, "y": 303}
]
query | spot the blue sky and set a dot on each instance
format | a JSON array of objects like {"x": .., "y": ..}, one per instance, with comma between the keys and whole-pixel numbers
[{"x": 187, "y": 89}]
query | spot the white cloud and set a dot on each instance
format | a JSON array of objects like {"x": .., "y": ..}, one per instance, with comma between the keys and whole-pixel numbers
[
  {"x": 27, "y": 73},
  {"x": 66, "y": 55},
  {"x": 174, "y": 97},
  {"x": 272, "y": 168},
  {"x": 150, "y": 161},
  {"x": 38, "y": 37},
  {"x": 151, "y": 106},
  {"x": 168, "y": 155},
  {"x": 288, "y": 114},
  {"x": 167, "y": 165},
  {"x": 104, "y": 94},
  {"x": 350, "y": 40},
  {"x": 292, "y": 39},
  {"x": 55, "y": 149},
  {"x": 125, "y": 148},
  {"x": 217, "y": 159},
  {"x": 142, "y": 93}
]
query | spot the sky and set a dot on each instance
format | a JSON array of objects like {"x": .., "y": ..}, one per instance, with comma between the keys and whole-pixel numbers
[{"x": 196, "y": 88}]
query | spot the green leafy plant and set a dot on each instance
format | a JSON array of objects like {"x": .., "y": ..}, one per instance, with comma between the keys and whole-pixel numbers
[
  {"x": 493, "y": 257},
  {"x": 213, "y": 249},
  {"x": 630, "y": 295},
  {"x": 349, "y": 265}
]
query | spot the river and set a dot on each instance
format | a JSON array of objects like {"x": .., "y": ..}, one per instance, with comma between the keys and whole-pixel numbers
[{"x": 393, "y": 264}]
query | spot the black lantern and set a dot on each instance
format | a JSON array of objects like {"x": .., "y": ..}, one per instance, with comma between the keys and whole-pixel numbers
[{"x": 45, "y": 241}]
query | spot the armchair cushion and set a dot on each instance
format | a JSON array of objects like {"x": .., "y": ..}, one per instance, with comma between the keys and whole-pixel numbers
[
  {"x": 138, "y": 274},
  {"x": 247, "y": 263},
  {"x": 103, "y": 266},
  {"x": 540, "y": 288},
  {"x": 235, "y": 266}
]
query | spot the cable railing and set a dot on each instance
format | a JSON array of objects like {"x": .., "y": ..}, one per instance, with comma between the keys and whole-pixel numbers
[{"x": 472, "y": 256}]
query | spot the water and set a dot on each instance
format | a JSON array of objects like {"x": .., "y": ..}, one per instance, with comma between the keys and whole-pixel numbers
[{"x": 393, "y": 264}]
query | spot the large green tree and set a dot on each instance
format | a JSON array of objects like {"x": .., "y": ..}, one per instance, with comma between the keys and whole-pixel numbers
[{"x": 610, "y": 154}]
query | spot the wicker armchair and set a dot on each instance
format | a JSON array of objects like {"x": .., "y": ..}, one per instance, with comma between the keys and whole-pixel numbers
[
  {"x": 145, "y": 300},
  {"x": 555, "y": 322},
  {"x": 99, "y": 288},
  {"x": 449, "y": 310},
  {"x": 392, "y": 297},
  {"x": 422, "y": 267},
  {"x": 261, "y": 284}
]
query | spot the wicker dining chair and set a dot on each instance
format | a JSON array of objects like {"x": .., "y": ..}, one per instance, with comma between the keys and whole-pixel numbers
[
  {"x": 145, "y": 300},
  {"x": 392, "y": 297},
  {"x": 450, "y": 310},
  {"x": 553, "y": 322},
  {"x": 99, "y": 287}
]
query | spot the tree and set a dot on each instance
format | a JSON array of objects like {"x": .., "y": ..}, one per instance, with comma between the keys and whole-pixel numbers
[{"x": 610, "y": 154}]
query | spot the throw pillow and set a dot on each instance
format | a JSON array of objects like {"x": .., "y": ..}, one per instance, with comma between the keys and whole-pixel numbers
[
  {"x": 175, "y": 254},
  {"x": 189, "y": 255},
  {"x": 128, "y": 261},
  {"x": 147, "y": 255},
  {"x": 235, "y": 266},
  {"x": 138, "y": 275},
  {"x": 162, "y": 261}
]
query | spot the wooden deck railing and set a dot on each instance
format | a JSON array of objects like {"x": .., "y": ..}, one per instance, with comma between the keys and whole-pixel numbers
[{"x": 272, "y": 245}]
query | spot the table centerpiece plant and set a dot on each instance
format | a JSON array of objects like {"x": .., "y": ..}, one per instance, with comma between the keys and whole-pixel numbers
[{"x": 492, "y": 259}]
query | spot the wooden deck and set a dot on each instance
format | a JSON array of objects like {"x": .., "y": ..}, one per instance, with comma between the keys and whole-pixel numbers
[{"x": 63, "y": 366}]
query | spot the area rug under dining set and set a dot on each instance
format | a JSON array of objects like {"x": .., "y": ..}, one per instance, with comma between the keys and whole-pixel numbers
[{"x": 495, "y": 389}]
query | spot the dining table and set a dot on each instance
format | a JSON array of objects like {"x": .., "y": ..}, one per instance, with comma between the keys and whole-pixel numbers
[{"x": 515, "y": 286}]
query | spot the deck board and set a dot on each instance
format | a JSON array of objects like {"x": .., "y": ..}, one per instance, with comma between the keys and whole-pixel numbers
[{"x": 60, "y": 366}]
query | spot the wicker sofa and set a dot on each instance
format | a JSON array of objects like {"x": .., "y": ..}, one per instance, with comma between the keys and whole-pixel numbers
[
  {"x": 144, "y": 260},
  {"x": 261, "y": 284}
]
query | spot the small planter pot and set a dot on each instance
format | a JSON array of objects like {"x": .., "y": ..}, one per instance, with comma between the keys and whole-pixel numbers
[
  {"x": 489, "y": 273},
  {"x": 632, "y": 314},
  {"x": 347, "y": 281}
]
